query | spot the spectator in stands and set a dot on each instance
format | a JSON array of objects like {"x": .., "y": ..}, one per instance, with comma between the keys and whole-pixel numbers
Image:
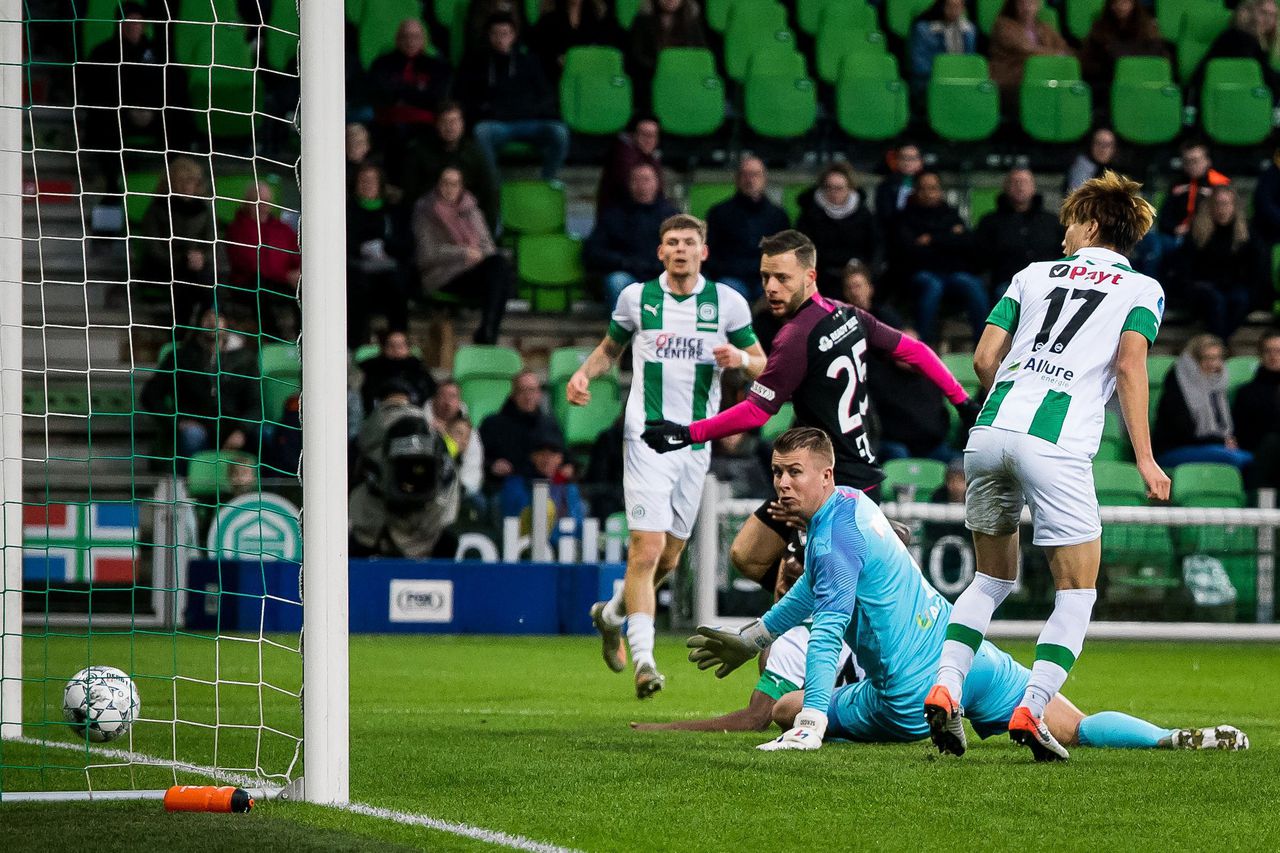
[
  {"x": 1257, "y": 412},
  {"x": 905, "y": 163},
  {"x": 1018, "y": 232},
  {"x": 406, "y": 493},
  {"x": 572, "y": 23},
  {"x": 479, "y": 15},
  {"x": 934, "y": 251},
  {"x": 1266, "y": 202},
  {"x": 132, "y": 69},
  {"x": 395, "y": 361},
  {"x": 622, "y": 247},
  {"x": 659, "y": 25},
  {"x": 173, "y": 246},
  {"x": 507, "y": 99},
  {"x": 359, "y": 148},
  {"x": 1174, "y": 221},
  {"x": 840, "y": 225},
  {"x": 265, "y": 263},
  {"x": 547, "y": 462},
  {"x": 408, "y": 83},
  {"x": 1125, "y": 28},
  {"x": 466, "y": 448},
  {"x": 1252, "y": 35},
  {"x": 1018, "y": 34},
  {"x": 456, "y": 252},
  {"x": 510, "y": 434},
  {"x": 944, "y": 28},
  {"x": 208, "y": 386},
  {"x": 1098, "y": 156},
  {"x": 604, "y": 472},
  {"x": 860, "y": 292},
  {"x": 1224, "y": 266},
  {"x": 736, "y": 226},
  {"x": 378, "y": 280},
  {"x": 953, "y": 488},
  {"x": 1193, "y": 422},
  {"x": 628, "y": 151},
  {"x": 448, "y": 144},
  {"x": 914, "y": 417}
]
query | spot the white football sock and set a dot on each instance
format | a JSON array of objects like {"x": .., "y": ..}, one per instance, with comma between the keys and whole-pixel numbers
[
  {"x": 970, "y": 618},
  {"x": 615, "y": 610},
  {"x": 640, "y": 638},
  {"x": 1058, "y": 647}
]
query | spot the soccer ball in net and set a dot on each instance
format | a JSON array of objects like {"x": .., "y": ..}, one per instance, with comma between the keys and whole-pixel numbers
[{"x": 101, "y": 699}]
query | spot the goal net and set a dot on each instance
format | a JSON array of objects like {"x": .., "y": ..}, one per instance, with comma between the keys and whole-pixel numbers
[
  {"x": 151, "y": 370},
  {"x": 1167, "y": 572}
]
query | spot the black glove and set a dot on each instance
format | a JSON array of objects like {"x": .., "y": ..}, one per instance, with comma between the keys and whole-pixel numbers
[
  {"x": 664, "y": 436},
  {"x": 968, "y": 412}
]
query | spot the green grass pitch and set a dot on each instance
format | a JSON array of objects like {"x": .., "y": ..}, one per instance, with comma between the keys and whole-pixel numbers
[{"x": 529, "y": 736}]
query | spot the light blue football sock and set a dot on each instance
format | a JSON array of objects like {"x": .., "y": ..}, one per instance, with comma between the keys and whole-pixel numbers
[{"x": 1120, "y": 731}]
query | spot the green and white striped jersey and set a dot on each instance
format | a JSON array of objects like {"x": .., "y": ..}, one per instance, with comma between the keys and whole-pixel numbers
[
  {"x": 672, "y": 337},
  {"x": 1066, "y": 318}
]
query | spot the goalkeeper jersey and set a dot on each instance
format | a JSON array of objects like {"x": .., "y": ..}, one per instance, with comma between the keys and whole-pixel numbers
[
  {"x": 1066, "y": 318},
  {"x": 674, "y": 373}
]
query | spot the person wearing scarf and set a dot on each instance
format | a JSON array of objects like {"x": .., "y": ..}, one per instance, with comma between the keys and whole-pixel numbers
[
  {"x": 456, "y": 252},
  {"x": 378, "y": 282},
  {"x": 840, "y": 225},
  {"x": 1257, "y": 412},
  {"x": 1193, "y": 421},
  {"x": 944, "y": 28}
]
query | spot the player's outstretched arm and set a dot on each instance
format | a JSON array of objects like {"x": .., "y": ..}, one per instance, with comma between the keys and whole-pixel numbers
[
  {"x": 1131, "y": 385},
  {"x": 578, "y": 389},
  {"x": 756, "y": 717}
]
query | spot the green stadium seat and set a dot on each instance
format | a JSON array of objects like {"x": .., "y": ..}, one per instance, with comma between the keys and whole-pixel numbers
[
  {"x": 962, "y": 102},
  {"x": 750, "y": 29},
  {"x": 961, "y": 366},
  {"x": 98, "y": 23},
  {"x": 550, "y": 267},
  {"x": 913, "y": 479},
  {"x": 379, "y": 20},
  {"x": 718, "y": 12},
  {"x": 776, "y": 59},
  {"x": 229, "y": 192},
  {"x": 1210, "y": 485},
  {"x": 211, "y": 474},
  {"x": 1207, "y": 484},
  {"x": 364, "y": 352},
  {"x": 533, "y": 207},
  {"x": 1235, "y": 105},
  {"x": 791, "y": 199},
  {"x": 355, "y": 10},
  {"x": 280, "y": 360},
  {"x": 1110, "y": 450},
  {"x": 982, "y": 200},
  {"x": 1056, "y": 104},
  {"x": 280, "y": 38},
  {"x": 1201, "y": 25},
  {"x": 1080, "y": 16},
  {"x": 140, "y": 189},
  {"x": 781, "y": 106},
  {"x": 1146, "y": 107},
  {"x": 626, "y": 11},
  {"x": 1158, "y": 366},
  {"x": 222, "y": 82},
  {"x": 871, "y": 99},
  {"x": 779, "y": 423},
  {"x": 565, "y": 362},
  {"x": 532, "y": 11},
  {"x": 704, "y": 196},
  {"x": 196, "y": 26},
  {"x": 582, "y": 425},
  {"x": 483, "y": 396},
  {"x": 445, "y": 11},
  {"x": 1170, "y": 15},
  {"x": 485, "y": 360},
  {"x": 1118, "y": 484},
  {"x": 838, "y": 15},
  {"x": 837, "y": 46},
  {"x": 1240, "y": 371},
  {"x": 688, "y": 94},
  {"x": 595, "y": 92},
  {"x": 281, "y": 368},
  {"x": 899, "y": 15}
]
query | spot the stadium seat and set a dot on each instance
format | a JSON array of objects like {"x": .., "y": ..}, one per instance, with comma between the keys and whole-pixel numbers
[
  {"x": 704, "y": 196},
  {"x": 196, "y": 24},
  {"x": 1170, "y": 15},
  {"x": 1201, "y": 25},
  {"x": 913, "y": 479},
  {"x": 751, "y": 28},
  {"x": 718, "y": 12},
  {"x": 961, "y": 366},
  {"x": 835, "y": 44},
  {"x": 840, "y": 15},
  {"x": 281, "y": 369},
  {"x": 210, "y": 474},
  {"x": 1240, "y": 370},
  {"x": 533, "y": 207},
  {"x": 483, "y": 395},
  {"x": 582, "y": 425},
  {"x": 982, "y": 200},
  {"x": 962, "y": 101},
  {"x": 688, "y": 94},
  {"x": 222, "y": 82},
  {"x": 871, "y": 99},
  {"x": 899, "y": 15},
  {"x": 595, "y": 92},
  {"x": 1056, "y": 104},
  {"x": 1207, "y": 484},
  {"x": 280, "y": 37},
  {"x": 791, "y": 199},
  {"x": 1118, "y": 484},
  {"x": 140, "y": 190},
  {"x": 779, "y": 423},
  {"x": 229, "y": 192},
  {"x": 98, "y": 23},
  {"x": 364, "y": 352},
  {"x": 781, "y": 106},
  {"x": 445, "y": 11},
  {"x": 550, "y": 267},
  {"x": 1080, "y": 16},
  {"x": 355, "y": 9},
  {"x": 1115, "y": 440},
  {"x": 532, "y": 11},
  {"x": 626, "y": 11},
  {"x": 1235, "y": 105},
  {"x": 1146, "y": 107},
  {"x": 379, "y": 20},
  {"x": 478, "y": 360},
  {"x": 564, "y": 363},
  {"x": 1158, "y": 365}
]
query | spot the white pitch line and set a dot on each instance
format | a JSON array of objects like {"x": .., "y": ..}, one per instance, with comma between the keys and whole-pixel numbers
[{"x": 490, "y": 836}]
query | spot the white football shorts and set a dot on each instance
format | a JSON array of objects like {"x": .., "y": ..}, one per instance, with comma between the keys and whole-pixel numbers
[{"x": 663, "y": 490}]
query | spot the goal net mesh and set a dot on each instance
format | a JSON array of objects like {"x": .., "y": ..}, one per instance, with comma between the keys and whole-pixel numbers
[{"x": 152, "y": 374}]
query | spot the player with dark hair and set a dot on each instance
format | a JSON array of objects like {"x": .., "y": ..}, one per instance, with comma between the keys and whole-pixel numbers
[{"x": 817, "y": 362}]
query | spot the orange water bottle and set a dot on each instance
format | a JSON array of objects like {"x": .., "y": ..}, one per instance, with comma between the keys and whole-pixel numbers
[{"x": 207, "y": 798}]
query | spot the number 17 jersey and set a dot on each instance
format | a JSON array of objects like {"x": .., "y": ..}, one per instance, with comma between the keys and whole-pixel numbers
[{"x": 1066, "y": 318}]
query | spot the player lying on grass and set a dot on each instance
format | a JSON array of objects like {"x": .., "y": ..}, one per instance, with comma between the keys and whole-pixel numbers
[{"x": 861, "y": 586}]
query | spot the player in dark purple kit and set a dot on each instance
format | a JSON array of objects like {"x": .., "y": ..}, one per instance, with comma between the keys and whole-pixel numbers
[{"x": 818, "y": 363}]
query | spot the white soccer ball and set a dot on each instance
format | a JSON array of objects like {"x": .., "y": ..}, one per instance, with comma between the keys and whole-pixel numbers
[{"x": 102, "y": 700}]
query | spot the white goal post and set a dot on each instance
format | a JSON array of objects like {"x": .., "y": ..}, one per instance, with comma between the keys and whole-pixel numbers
[{"x": 720, "y": 517}]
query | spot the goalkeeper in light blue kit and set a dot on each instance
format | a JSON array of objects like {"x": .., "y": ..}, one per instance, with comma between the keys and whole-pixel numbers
[{"x": 861, "y": 585}]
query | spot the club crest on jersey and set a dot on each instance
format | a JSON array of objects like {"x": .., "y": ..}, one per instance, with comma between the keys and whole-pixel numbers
[
  {"x": 708, "y": 316},
  {"x": 671, "y": 347}
]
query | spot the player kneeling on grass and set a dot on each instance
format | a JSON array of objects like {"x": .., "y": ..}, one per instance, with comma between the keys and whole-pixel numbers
[
  {"x": 684, "y": 331},
  {"x": 861, "y": 586}
]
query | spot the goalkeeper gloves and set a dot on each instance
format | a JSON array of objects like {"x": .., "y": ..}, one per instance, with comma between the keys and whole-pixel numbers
[
  {"x": 727, "y": 649},
  {"x": 664, "y": 436},
  {"x": 807, "y": 733},
  {"x": 968, "y": 412}
]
